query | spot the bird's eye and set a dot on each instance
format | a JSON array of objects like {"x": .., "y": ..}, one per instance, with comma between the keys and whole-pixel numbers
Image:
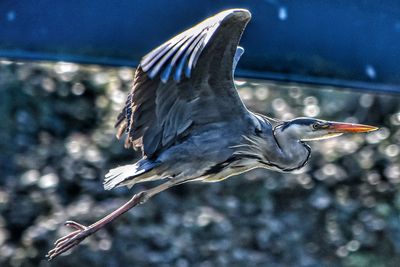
[{"x": 315, "y": 126}]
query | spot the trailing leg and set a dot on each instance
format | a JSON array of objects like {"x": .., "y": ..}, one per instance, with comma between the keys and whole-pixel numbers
[{"x": 81, "y": 232}]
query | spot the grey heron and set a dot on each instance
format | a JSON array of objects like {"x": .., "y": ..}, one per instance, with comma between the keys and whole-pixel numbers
[{"x": 186, "y": 116}]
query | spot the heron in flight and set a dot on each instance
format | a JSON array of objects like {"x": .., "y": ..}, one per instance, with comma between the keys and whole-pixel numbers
[{"x": 185, "y": 114}]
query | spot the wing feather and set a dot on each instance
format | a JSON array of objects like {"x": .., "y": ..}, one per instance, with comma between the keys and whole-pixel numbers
[
  {"x": 183, "y": 61},
  {"x": 159, "y": 111},
  {"x": 161, "y": 63},
  {"x": 150, "y": 59}
]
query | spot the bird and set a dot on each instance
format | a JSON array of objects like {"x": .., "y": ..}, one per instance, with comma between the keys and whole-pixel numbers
[{"x": 185, "y": 114}]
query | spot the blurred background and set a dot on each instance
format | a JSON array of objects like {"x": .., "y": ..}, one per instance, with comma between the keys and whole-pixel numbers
[
  {"x": 65, "y": 70},
  {"x": 57, "y": 141}
]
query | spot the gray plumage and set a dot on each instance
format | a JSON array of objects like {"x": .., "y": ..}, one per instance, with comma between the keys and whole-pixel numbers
[
  {"x": 194, "y": 126},
  {"x": 185, "y": 114}
]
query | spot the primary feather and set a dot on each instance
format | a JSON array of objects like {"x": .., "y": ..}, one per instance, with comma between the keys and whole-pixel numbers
[{"x": 182, "y": 89}]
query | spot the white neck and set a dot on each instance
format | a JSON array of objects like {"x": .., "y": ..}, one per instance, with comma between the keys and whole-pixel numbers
[{"x": 293, "y": 153}]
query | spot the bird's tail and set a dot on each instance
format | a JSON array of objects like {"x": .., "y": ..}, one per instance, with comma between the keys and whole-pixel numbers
[{"x": 130, "y": 174}]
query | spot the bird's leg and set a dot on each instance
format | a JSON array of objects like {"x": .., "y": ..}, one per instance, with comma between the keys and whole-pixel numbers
[{"x": 81, "y": 232}]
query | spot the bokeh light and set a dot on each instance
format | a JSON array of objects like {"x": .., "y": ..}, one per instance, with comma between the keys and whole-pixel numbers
[{"x": 57, "y": 141}]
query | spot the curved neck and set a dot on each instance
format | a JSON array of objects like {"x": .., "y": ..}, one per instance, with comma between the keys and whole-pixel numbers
[{"x": 294, "y": 154}]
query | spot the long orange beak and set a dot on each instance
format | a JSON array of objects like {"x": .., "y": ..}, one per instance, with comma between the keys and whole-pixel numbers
[{"x": 342, "y": 127}]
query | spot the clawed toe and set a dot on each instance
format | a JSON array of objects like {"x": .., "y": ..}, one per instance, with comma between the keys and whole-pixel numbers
[
  {"x": 62, "y": 239},
  {"x": 81, "y": 231},
  {"x": 69, "y": 241},
  {"x": 75, "y": 225}
]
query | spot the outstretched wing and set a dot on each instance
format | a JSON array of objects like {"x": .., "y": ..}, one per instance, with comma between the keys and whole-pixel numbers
[{"x": 185, "y": 84}]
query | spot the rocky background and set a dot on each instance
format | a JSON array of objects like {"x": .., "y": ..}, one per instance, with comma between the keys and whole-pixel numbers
[{"x": 57, "y": 142}]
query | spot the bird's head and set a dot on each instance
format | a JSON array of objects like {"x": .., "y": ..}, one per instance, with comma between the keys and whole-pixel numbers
[{"x": 310, "y": 129}]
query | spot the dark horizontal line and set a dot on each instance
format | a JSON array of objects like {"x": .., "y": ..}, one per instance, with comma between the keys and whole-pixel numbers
[
  {"x": 304, "y": 79},
  {"x": 81, "y": 59}
]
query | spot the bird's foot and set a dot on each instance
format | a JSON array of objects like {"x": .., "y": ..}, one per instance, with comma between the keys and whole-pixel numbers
[
  {"x": 81, "y": 231},
  {"x": 71, "y": 240}
]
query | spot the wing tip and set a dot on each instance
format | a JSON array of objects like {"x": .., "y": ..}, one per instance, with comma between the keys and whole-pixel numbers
[
  {"x": 148, "y": 61},
  {"x": 237, "y": 13}
]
